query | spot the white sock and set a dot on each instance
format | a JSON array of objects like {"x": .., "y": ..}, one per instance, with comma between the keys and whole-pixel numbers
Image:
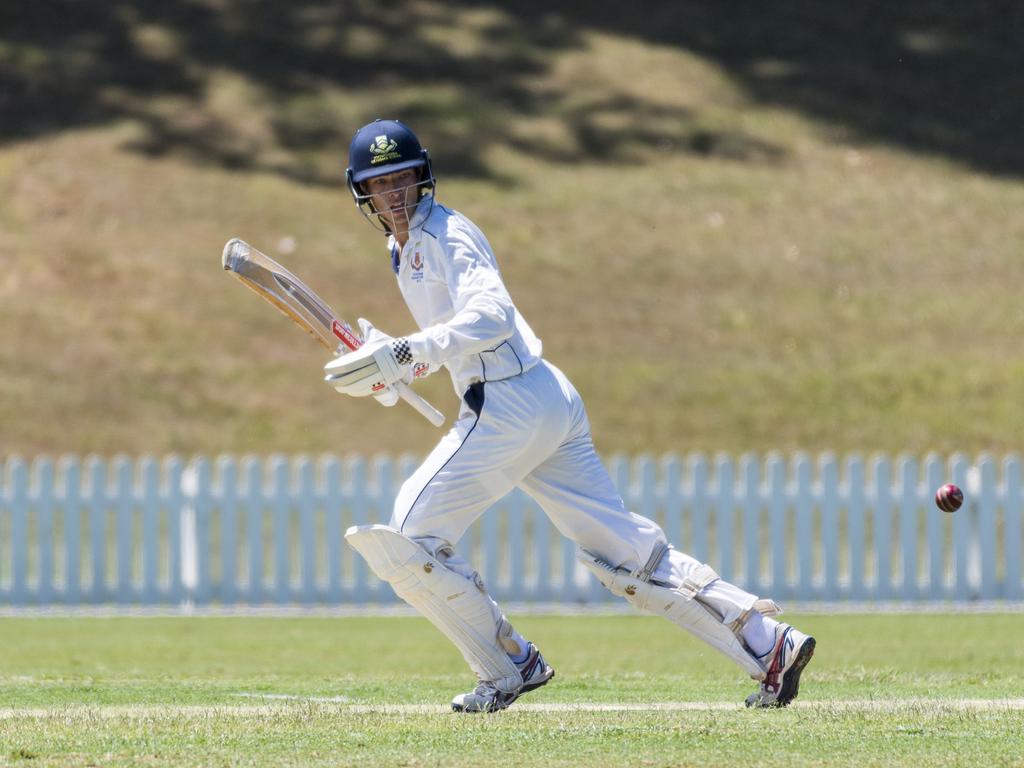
[
  {"x": 759, "y": 633},
  {"x": 524, "y": 648}
]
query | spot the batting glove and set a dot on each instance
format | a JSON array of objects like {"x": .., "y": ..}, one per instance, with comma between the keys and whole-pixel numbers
[
  {"x": 373, "y": 368},
  {"x": 388, "y": 396},
  {"x": 414, "y": 370}
]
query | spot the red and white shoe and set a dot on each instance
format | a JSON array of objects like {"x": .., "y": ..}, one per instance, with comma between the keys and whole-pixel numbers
[{"x": 792, "y": 651}]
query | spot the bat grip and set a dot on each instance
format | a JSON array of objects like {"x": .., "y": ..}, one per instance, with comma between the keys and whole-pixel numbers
[{"x": 429, "y": 412}]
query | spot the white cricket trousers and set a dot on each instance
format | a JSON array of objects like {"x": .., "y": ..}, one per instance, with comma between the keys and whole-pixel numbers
[{"x": 529, "y": 431}]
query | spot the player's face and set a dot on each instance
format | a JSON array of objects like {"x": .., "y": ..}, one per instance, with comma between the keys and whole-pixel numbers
[{"x": 394, "y": 196}]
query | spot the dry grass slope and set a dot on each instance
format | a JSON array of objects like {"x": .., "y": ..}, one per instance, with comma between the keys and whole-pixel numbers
[{"x": 732, "y": 239}]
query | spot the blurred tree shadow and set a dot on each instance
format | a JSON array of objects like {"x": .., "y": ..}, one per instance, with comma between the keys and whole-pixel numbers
[
  {"x": 279, "y": 86},
  {"x": 938, "y": 76}
]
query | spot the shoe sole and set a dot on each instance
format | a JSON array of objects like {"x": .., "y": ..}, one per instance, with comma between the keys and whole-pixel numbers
[
  {"x": 535, "y": 686},
  {"x": 791, "y": 678},
  {"x": 457, "y": 708}
]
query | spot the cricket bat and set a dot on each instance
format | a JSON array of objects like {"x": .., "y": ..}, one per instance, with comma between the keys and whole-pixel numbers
[{"x": 297, "y": 301}]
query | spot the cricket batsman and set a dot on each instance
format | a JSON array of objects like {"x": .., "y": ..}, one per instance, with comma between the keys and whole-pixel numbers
[{"x": 521, "y": 424}]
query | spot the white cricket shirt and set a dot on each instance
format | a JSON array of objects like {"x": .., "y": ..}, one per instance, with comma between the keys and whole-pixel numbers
[{"x": 450, "y": 281}]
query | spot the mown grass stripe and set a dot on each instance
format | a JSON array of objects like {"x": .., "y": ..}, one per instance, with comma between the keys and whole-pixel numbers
[{"x": 289, "y": 703}]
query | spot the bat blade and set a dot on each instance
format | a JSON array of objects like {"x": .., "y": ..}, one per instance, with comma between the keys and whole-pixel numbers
[
  {"x": 296, "y": 301},
  {"x": 288, "y": 293}
]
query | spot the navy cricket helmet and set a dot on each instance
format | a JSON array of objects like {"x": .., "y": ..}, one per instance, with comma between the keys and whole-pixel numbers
[
  {"x": 384, "y": 146},
  {"x": 380, "y": 148}
]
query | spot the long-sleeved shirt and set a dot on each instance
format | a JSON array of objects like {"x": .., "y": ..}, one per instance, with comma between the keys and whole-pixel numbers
[{"x": 450, "y": 280}]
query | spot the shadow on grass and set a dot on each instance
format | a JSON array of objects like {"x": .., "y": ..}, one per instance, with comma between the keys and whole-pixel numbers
[{"x": 935, "y": 76}]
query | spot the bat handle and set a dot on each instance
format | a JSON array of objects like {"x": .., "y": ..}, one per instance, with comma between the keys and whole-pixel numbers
[{"x": 429, "y": 412}]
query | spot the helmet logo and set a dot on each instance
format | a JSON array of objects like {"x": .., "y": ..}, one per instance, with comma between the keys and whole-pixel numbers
[{"x": 383, "y": 149}]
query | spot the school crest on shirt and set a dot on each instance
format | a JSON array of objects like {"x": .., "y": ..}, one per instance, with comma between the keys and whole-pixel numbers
[{"x": 417, "y": 264}]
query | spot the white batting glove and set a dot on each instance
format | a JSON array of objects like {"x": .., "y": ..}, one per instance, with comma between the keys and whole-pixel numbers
[
  {"x": 371, "y": 369},
  {"x": 366, "y": 371},
  {"x": 388, "y": 396},
  {"x": 412, "y": 370}
]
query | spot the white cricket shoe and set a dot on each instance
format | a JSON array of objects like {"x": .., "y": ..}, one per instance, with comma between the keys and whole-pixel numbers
[
  {"x": 792, "y": 651},
  {"x": 487, "y": 698}
]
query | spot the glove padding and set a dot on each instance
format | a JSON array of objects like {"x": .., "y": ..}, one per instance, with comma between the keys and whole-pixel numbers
[
  {"x": 370, "y": 370},
  {"x": 387, "y": 396}
]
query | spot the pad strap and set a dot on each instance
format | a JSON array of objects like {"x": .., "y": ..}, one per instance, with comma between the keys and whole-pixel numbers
[
  {"x": 699, "y": 578},
  {"x": 764, "y": 606},
  {"x": 703, "y": 576},
  {"x": 645, "y": 573}
]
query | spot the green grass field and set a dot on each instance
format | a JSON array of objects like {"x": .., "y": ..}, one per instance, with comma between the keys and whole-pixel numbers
[{"x": 913, "y": 689}]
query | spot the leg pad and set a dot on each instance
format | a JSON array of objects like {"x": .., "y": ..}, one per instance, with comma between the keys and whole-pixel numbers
[
  {"x": 681, "y": 606},
  {"x": 452, "y": 602}
]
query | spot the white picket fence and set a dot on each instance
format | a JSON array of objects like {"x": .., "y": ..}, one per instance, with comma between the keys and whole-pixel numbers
[{"x": 257, "y": 531}]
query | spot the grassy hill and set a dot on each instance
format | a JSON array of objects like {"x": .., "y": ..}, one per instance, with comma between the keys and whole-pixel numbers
[{"x": 800, "y": 234}]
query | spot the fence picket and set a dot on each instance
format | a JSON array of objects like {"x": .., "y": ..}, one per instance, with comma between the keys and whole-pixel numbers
[
  {"x": 935, "y": 529},
  {"x": 19, "y": 502},
  {"x": 1012, "y": 526},
  {"x": 330, "y": 468},
  {"x": 72, "y": 473},
  {"x": 805, "y": 554},
  {"x": 201, "y": 513},
  {"x": 252, "y": 469},
  {"x": 988, "y": 528},
  {"x": 124, "y": 539},
  {"x": 857, "y": 501},
  {"x": 226, "y": 587},
  {"x": 151, "y": 505},
  {"x": 280, "y": 512},
  {"x": 700, "y": 509},
  {"x": 961, "y": 533},
  {"x": 750, "y": 472},
  {"x": 777, "y": 515},
  {"x": 909, "y": 527},
  {"x": 44, "y": 494},
  {"x": 174, "y": 502},
  {"x": 723, "y": 511},
  {"x": 358, "y": 500},
  {"x": 307, "y": 531},
  {"x": 96, "y": 469},
  {"x": 881, "y": 473},
  {"x": 831, "y": 563}
]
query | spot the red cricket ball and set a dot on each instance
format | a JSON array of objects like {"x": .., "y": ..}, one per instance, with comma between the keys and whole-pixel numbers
[{"x": 949, "y": 498}]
